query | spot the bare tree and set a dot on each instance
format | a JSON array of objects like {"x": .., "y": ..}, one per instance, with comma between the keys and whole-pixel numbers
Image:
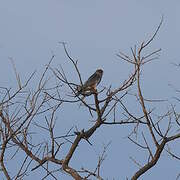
[{"x": 27, "y": 113}]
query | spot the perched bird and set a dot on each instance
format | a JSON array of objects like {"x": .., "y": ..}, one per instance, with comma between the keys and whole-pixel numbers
[{"x": 90, "y": 85}]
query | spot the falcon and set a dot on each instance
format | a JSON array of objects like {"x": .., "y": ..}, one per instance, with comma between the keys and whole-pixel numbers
[{"x": 90, "y": 85}]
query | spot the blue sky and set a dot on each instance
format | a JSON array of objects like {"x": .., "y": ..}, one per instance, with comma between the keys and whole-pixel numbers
[{"x": 95, "y": 31}]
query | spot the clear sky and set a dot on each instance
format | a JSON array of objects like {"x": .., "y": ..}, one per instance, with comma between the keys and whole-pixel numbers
[{"x": 95, "y": 31}]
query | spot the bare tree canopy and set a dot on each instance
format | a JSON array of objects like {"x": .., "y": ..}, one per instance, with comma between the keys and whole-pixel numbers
[{"x": 28, "y": 115}]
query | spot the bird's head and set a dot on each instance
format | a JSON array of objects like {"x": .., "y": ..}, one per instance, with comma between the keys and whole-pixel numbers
[{"x": 99, "y": 71}]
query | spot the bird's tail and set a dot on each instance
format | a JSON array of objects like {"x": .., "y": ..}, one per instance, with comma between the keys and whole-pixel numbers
[{"x": 79, "y": 90}]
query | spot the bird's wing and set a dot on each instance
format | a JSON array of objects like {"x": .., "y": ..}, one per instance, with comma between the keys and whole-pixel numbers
[{"x": 91, "y": 80}]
